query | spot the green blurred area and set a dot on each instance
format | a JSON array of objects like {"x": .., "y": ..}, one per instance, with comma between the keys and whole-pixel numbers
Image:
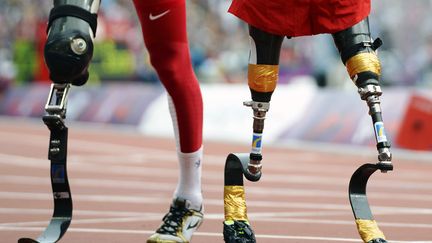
[{"x": 111, "y": 61}]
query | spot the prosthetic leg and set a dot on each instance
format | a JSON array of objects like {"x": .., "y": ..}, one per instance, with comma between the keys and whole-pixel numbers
[
  {"x": 262, "y": 78},
  {"x": 68, "y": 51},
  {"x": 358, "y": 54},
  {"x": 62, "y": 216}
]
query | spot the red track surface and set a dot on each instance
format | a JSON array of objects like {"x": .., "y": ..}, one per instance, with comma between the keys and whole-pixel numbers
[{"x": 122, "y": 185}]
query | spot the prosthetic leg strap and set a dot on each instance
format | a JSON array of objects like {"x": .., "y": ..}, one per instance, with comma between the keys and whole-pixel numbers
[
  {"x": 368, "y": 230},
  {"x": 235, "y": 203},
  {"x": 363, "y": 62},
  {"x": 263, "y": 78},
  {"x": 356, "y": 48},
  {"x": 73, "y": 11}
]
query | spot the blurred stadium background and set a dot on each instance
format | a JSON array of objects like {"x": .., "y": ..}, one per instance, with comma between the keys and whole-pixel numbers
[
  {"x": 315, "y": 107},
  {"x": 313, "y": 102}
]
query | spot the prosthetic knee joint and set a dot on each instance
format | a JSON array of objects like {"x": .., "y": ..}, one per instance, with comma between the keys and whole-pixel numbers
[
  {"x": 69, "y": 47},
  {"x": 358, "y": 53}
]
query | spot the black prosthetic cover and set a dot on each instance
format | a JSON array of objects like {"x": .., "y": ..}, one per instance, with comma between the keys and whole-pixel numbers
[
  {"x": 267, "y": 50},
  {"x": 69, "y": 47},
  {"x": 353, "y": 41}
]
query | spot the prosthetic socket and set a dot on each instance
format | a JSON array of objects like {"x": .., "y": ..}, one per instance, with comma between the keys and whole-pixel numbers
[
  {"x": 358, "y": 53},
  {"x": 69, "y": 47}
]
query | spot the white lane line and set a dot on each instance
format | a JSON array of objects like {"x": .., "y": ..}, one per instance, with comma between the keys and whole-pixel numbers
[
  {"x": 144, "y": 217},
  {"x": 140, "y": 216},
  {"x": 160, "y": 186},
  {"x": 119, "y": 169},
  {"x": 141, "y": 155},
  {"x": 219, "y": 217},
  {"x": 150, "y": 217},
  {"x": 339, "y": 222},
  {"x": 213, "y": 202},
  {"x": 261, "y": 191},
  {"x": 207, "y": 234},
  {"x": 163, "y": 154},
  {"x": 109, "y": 213},
  {"x": 297, "y": 179},
  {"x": 78, "y": 212},
  {"x": 256, "y": 190},
  {"x": 303, "y": 147},
  {"x": 354, "y": 150},
  {"x": 282, "y": 192}
]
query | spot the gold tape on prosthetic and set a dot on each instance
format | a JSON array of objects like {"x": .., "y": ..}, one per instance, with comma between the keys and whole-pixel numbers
[
  {"x": 363, "y": 62},
  {"x": 368, "y": 230},
  {"x": 263, "y": 78},
  {"x": 235, "y": 203}
]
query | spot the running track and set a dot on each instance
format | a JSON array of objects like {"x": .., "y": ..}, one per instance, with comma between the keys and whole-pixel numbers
[{"x": 122, "y": 184}]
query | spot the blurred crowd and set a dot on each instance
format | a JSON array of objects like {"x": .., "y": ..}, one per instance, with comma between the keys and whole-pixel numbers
[{"x": 219, "y": 45}]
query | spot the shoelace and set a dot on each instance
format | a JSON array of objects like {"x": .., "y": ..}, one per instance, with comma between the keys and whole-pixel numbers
[{"x": 172, "y": 221}]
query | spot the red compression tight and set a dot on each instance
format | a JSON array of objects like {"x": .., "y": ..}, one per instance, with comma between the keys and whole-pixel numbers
[{"x": 163, "y": 23}]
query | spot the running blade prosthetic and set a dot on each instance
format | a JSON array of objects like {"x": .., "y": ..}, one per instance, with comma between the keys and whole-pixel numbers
[{"x": 57, "y": 153}]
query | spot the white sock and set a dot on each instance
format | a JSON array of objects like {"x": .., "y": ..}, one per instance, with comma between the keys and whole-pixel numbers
[{"x": 189, "y": 183}]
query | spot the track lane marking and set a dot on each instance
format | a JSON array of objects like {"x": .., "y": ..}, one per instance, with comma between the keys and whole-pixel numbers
[{"x": 207, "y": 234}]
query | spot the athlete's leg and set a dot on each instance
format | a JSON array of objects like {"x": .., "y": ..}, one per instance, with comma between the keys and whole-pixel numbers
[
  {"x": 68, "y": 51},
  {"x": 358, "y": 53},
  {"x": 164, "y": 28},
  {"x": 263, "y": 71},
  {"x": 69, "y": 47},
  {"x": 169, "y": 54}
]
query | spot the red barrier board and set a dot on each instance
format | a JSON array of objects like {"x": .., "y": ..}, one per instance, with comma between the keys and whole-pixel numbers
[{"x": 416, "y": 128}]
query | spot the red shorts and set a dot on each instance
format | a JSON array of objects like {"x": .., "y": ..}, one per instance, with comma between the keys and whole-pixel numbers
[{"x": 301, "y": 17}]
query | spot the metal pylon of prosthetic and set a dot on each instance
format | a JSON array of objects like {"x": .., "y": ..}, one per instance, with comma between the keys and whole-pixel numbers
[
  {"x": 366, "y": 225},
  {"x": 57, "y": 153}
]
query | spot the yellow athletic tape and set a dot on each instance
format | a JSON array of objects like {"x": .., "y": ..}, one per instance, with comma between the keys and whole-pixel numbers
[
  {"x": 363, "y": 62},
  {"x": 263, "y": 78},
  {"x": 234, "y": 203},
  {"x": 368, "y": 230}
]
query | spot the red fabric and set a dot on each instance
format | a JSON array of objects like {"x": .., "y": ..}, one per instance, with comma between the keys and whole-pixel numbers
[
  {"x": 166, "y": 40},
  {"x": 301, "y": 17},
  {"x": 42, "y": 72}
]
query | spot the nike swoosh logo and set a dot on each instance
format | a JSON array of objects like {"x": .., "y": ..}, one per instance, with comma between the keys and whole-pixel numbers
[
  {"x": 154, "y": 17},
  {"x": 191, "y": 226}
]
